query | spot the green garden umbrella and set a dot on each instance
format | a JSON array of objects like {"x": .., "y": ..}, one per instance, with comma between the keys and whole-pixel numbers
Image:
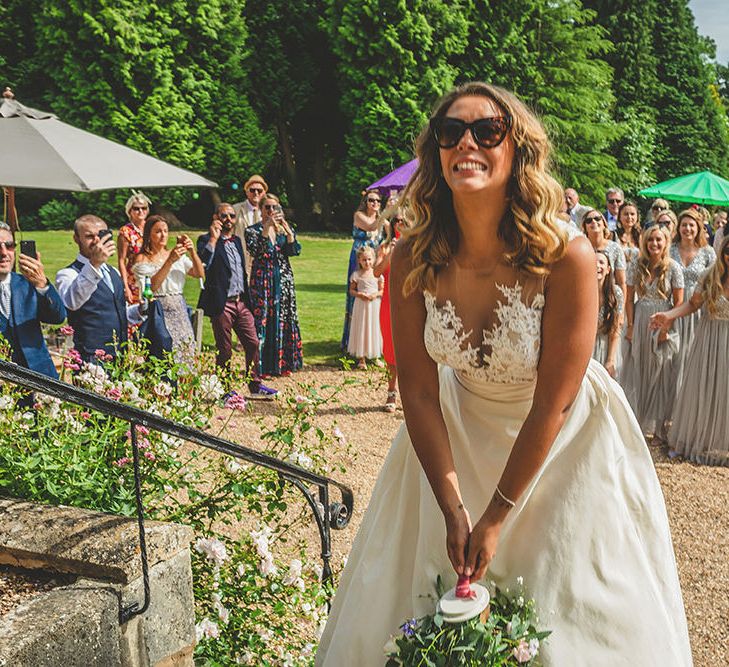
[{"x": 701, "y": 188}]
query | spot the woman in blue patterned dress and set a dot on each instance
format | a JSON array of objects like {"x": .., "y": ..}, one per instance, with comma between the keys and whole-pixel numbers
[
  {"x": 273, "y": 297},
  {"x": 365, "y": 231}
]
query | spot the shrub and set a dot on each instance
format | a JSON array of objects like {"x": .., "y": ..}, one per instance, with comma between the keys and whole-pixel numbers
[{"x": 57, "y": 214}]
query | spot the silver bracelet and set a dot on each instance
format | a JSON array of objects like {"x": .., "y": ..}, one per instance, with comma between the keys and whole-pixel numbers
[{"x": 508, "y": 501}]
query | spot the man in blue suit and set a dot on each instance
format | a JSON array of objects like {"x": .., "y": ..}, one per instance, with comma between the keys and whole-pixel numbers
[
  {"x": 25, "y": 301},
  {"x": 225, "y": 297}
]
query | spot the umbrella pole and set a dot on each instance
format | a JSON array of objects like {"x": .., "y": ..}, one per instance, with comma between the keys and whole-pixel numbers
[{"x": 10, "y": 213}]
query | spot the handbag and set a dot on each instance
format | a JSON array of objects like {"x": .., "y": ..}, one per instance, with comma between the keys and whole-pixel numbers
[{"x": 154, "y": 330}]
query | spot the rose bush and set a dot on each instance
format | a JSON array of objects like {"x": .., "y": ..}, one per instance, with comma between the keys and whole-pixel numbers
[{"x": 258, "y": 592}]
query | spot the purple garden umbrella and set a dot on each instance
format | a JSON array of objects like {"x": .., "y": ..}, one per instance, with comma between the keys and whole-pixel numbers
[{"x": 398, "y": 179}]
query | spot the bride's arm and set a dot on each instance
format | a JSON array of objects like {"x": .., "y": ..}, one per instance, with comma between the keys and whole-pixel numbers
[
  {"x": 569, "y": 323},
  {"x": 418, "y": 377}
]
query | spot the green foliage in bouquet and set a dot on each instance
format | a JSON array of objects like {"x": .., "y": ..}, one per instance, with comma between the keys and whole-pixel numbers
[{"x": 509, "y": 636}]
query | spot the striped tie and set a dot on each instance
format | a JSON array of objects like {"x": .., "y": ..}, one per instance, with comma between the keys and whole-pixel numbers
[{"x": 5, "y": 300}]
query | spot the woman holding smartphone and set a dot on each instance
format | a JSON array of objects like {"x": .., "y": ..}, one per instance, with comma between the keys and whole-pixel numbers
[{"x": 270, "y": 243}]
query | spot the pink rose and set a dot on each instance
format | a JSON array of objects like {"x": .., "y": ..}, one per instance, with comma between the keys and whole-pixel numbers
[{"x": 522, "y": 652}]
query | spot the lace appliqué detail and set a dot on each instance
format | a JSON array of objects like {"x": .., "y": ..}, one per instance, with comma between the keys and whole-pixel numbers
[{"x": 514, "y": 341}]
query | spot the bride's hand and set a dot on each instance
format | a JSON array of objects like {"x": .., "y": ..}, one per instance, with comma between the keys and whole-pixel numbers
[
  {"x": 482, "y": 547},
  {"x": 458, "y": 528}
]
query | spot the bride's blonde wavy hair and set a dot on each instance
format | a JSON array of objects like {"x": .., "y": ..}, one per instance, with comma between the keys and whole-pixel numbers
[
  {"x": 712, "y": 286},
  {"x": 529, "y": 229}
]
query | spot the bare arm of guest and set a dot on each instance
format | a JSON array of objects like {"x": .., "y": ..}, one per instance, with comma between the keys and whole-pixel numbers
[
  {"x": 362, "y": 222},
  {"x": 122, "y": 249},
  {"x": 665, "y": 319},
  {"x": 161, "y": 275},
  {"x": 197, "y": 270}
]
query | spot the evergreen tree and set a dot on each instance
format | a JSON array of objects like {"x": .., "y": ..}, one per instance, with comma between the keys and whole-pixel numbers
[
  {"x": 392, "y": 66},
  {"x": 550, "y": 55},
  {"x": 692, "y": 134}
]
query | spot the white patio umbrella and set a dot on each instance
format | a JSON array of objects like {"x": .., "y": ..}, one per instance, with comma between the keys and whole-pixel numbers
[{"x": 41, "y": 152}]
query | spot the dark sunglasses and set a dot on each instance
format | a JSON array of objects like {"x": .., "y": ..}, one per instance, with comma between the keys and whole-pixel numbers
[
  {"x": 658, "y": 208},
  {"x": 140, "y": 208},
  {"x": 397, "y": 220},
  {"x": 664, "y": 223},
  {"x": 486, "y": 132},
  {"x": 615, "y": 201},
  {"x": 593, "y": 218},
  {"x": 372, "y": 200},
  {"x": 8, "y": 245},
  {"x": 255, "y": 191},
  {"x": 226, "y": 216}
]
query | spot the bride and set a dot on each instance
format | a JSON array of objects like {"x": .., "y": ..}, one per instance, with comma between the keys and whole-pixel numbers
[{"x": 519, "y": 456}]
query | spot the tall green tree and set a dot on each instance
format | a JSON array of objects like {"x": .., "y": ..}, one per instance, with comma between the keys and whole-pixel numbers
[
  {"x": 392, "y": 65},
  {"x": 550, "y": 54}
]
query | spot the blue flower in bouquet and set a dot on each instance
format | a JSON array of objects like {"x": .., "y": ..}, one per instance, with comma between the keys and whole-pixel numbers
[{"x": 408, "y": 627}]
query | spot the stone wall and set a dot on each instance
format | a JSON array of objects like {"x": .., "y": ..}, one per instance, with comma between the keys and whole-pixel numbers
[{"x": 79, "y": 624}]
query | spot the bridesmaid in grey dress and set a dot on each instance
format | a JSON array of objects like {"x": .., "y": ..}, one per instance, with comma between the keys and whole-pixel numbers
[
  {"x": 692, "y": 253},
  {"x": 657, "y": 281},
  {"x": 610, "y": 318},
  {"x": 628, "y": 231},
  {"x": 595, "y": 228},
  {"x": 700, "y": 429}
]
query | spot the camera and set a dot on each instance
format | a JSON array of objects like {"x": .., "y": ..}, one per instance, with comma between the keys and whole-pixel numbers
[
  {"x": 27, "y": 248},
  {"x": 103, "y": 233}
]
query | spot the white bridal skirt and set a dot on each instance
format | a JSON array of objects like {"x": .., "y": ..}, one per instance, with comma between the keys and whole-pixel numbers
[{"x": 589, "y": 536}]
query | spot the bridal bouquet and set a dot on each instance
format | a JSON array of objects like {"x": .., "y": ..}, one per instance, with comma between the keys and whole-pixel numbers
[{"x": 505, "y": 635}]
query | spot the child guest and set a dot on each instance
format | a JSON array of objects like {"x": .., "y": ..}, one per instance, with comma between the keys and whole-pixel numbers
[{"x": 365, "y": 339}]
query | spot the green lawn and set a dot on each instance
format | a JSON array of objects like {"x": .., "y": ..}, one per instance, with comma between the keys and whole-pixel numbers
[{"x": 320, "y": 273}]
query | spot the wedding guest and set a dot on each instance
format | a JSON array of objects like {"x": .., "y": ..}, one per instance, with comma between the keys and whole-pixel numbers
[
  {"x": 273, "y": 294},
  {"x": 248, "y": 213},
  {"x": 657, "y": 207},
  {"x": 129, "y": 242},
  {"x": 614, "y": 198},
  {"x": 692, "y": 253},
  {"x": 497, "y": 467},
  {"x": 628, "y": 230},
  {"x": 720, "y": 221},
  {"x": 668, "y": 220},
  {"x": 364, "y": 232},
  {"x": 93, "y": 292},
  {"x": 26, "y": 299},
  {"x": 700, "y": 429},
  {"x": 655, "y": 284},
  {"x": 225, "y": 299},
  {"x": 574, "y": 210},
  {"x": 595, "y": 228},
  {"x": 365, "y": 338},
  {"x": 396, "y": 223},
  {"x": 610, "y": 317},
  {"x": 167, "y": 270}
]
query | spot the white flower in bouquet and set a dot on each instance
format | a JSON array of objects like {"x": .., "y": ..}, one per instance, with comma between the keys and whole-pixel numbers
[
  {"x": 267, "y": 567},
  {"x": 261, "y": 538},
  {"x": 232, "y": 466},
  {"x": 6, "y": 402},
  {"x": 206, "y": 629},
  {"x": 223, "y": 612},
  {"x": 213, "y": 549},
  {"x": 162, "y": 389}
]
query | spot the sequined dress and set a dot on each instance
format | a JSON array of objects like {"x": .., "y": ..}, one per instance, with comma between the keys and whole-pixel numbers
[
  {"x": 607, "y": 588},
  {"x": 686, "y": 326}
]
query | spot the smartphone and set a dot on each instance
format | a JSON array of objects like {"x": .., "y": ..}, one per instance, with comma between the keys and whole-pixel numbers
[
  {"x": 27, "y": 248},
  {"x": 104, "y": 233}
]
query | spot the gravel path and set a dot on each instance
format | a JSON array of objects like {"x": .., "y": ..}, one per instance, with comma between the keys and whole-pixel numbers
[{"x": 697, "y": 499}]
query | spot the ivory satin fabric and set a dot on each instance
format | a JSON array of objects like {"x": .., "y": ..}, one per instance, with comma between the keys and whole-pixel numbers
[{"x": 590, "y": 536}]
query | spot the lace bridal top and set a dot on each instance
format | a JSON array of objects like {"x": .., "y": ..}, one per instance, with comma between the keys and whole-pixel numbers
[{"x": 507, "y": 349}]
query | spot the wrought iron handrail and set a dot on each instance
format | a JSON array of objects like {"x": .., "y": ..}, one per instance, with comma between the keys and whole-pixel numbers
[{"x": 327, "y": 515}]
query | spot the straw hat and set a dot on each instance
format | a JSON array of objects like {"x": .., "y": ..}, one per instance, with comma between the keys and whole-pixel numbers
[{"x": 256, "y": 179}]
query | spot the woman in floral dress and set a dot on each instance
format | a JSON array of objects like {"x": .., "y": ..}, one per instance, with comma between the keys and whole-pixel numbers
[
  {"x": 273, "y": 297},
  {"x": 129, "y": 243}
]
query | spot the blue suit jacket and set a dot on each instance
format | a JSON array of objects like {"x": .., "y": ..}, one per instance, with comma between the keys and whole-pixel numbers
[
  {"x": 217, "y": 275},
  {"x": 28, "y": 310}
]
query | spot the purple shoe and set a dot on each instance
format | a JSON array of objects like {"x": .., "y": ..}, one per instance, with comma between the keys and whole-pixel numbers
[{"x": 261, "y": 390}]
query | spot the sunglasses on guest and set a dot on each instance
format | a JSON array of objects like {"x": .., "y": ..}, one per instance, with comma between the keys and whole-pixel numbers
[
  {"x": 255, "y": 191},
  {"x": 8, "y": 245},
  {"x": 373, "y": 200},
  {"x": 658, "y": 207},
  {"x": 486, "y": 132},
  {"x": 612, "y": 200},
  {"x": 140, "y": 208},
  {"x": 226, "y": 216},
  {"x": 594, "y": 218},
  {"x": 398, "y": 220}
]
